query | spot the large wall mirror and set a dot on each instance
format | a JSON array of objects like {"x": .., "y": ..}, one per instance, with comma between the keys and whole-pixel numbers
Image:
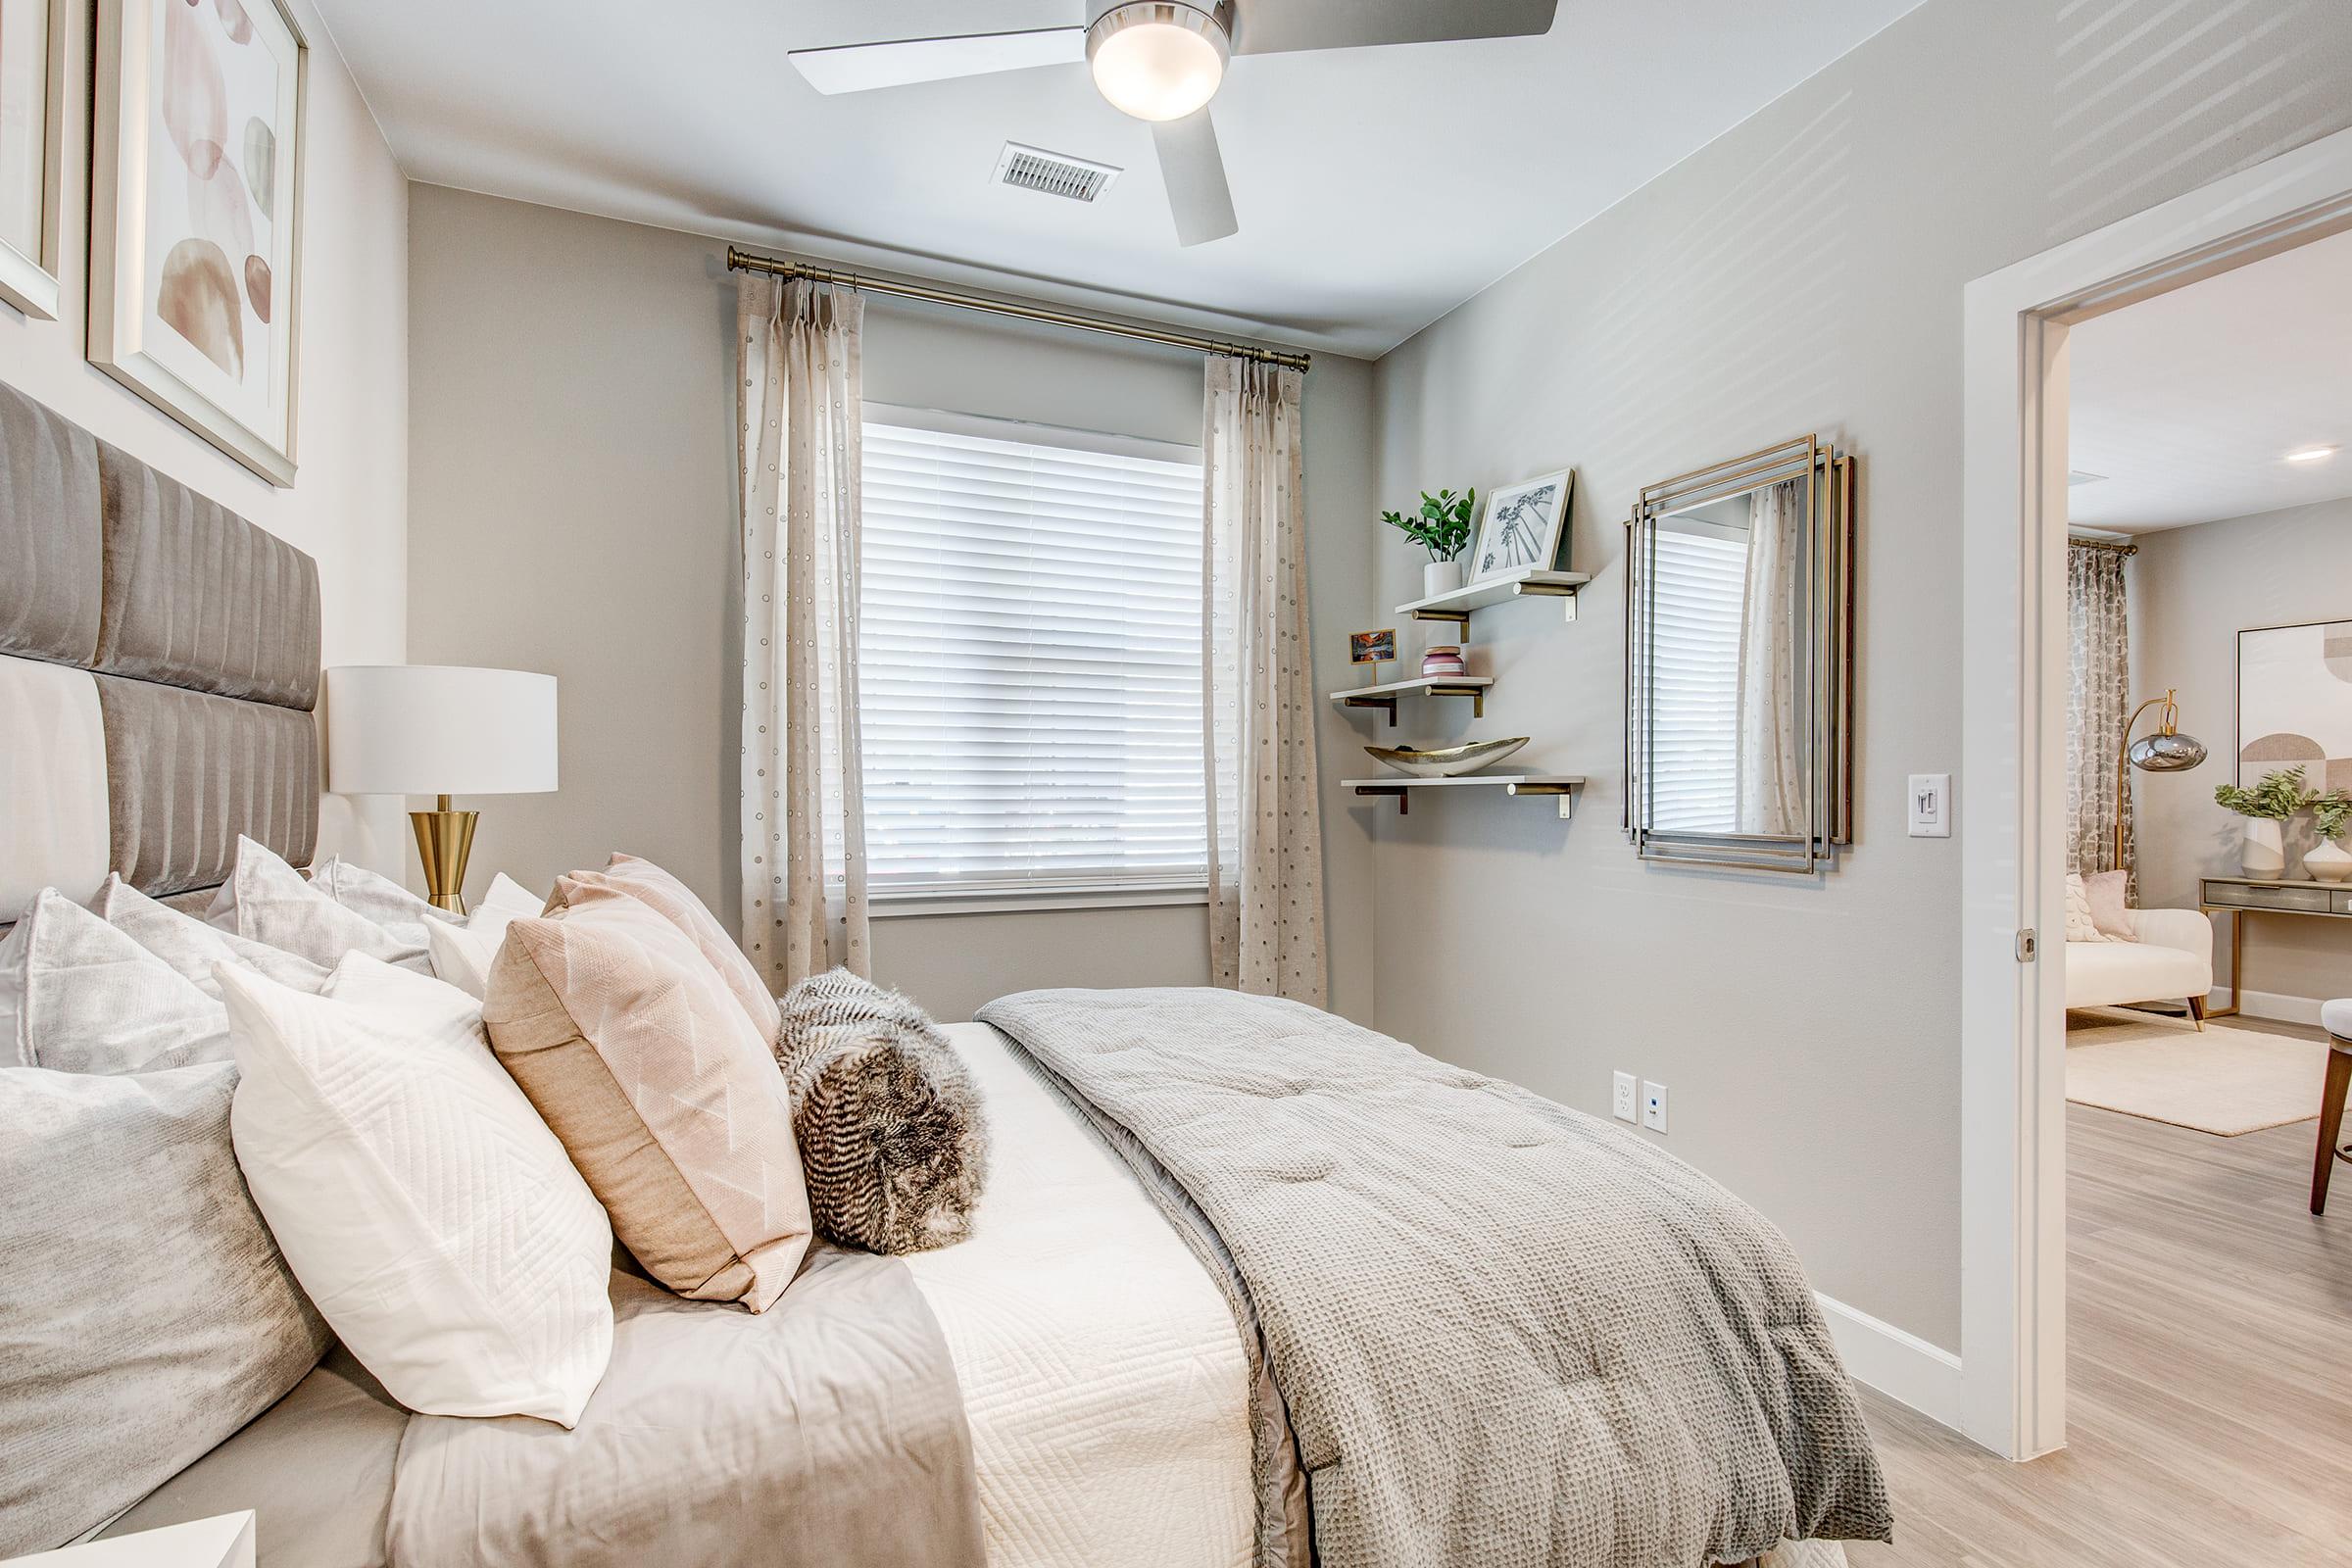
[{"x": 1739, "y": 662}]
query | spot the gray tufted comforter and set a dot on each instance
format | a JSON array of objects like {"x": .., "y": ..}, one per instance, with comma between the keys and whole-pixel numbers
[{"x": 1506, "y": 1332}]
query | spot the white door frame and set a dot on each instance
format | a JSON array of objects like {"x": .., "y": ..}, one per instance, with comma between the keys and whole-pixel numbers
[{"x": 2013, "y": 716}]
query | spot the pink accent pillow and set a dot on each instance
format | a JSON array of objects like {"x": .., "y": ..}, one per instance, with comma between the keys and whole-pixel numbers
[
  {"x": 628, "y": 1044},
  {"x": 675, "y": 902},
  {"x": 2108, "y": 909}
]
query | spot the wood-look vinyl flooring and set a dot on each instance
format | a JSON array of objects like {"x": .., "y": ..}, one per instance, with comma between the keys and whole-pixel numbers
[{"x": 2209, "y": 1401}]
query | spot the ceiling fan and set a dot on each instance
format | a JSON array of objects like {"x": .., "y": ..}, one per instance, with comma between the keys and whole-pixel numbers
[{"x": 1161, "y": 61}]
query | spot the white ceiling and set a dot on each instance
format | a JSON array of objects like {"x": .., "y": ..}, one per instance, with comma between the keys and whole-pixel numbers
[
  {"x": 2188, "y": 403},
  {"x": 1377, "y": 188}
]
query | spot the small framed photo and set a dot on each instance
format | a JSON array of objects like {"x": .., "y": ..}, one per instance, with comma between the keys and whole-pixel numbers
[
  {"x": 1525, "y": 527},
  {"x": 1371, "y": 647}
]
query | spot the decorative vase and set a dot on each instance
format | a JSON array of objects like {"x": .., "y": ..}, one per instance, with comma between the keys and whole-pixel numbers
[
  {"x": 2329, "y": 863},
  {"x": 2262, "y": 855},
  {"x": 1441, "y": 577}
]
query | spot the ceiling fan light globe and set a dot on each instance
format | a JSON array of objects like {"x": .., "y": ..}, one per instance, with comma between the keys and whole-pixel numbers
[{"x": 1160, "y": 59}]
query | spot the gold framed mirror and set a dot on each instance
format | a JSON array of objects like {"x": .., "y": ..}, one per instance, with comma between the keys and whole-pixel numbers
[{"x": 1738, "y": 661}]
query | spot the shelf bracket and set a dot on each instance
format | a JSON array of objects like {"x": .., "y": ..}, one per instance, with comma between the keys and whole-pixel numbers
[
  {"x": 1565, "y": 792},
  {"x": 1459, "y": 618},
  {"x": 1388, "y": 703},
  {"x": 1476, "y": 694},
  {"x": 1566, "y": 596},
  {"x": 1404, "y": 799}
]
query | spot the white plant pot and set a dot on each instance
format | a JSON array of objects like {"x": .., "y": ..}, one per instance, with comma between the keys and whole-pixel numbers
[
  {"x": 2329, "y": 863},
  {"x": 1441, "y": 577},
  {"x": 2263, "y": 853}
]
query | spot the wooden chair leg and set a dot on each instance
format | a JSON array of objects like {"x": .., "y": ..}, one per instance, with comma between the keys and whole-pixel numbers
[
  {"x": 2196, "y": 1011},
  {"x": 2331, "y": 1123}
]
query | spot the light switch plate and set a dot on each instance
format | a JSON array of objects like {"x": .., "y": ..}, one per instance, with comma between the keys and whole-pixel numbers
[
  {"x": 1931, "y": 805},
  {"x": 1653, "y": 1106},
  {"x": 1625, "y": 1099}
]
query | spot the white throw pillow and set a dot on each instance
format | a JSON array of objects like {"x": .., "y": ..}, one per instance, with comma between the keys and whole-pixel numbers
[
  {"x": 266, "y": 900},
  {"x": 462, "y": 955},
  {"x": 377, "y": 896},
  {"x": 428, "y": 1212},
  {"x": 78, "y": 996},
  {"x": 193, "y": 948},
  {"x": 2080, "y": 925}
]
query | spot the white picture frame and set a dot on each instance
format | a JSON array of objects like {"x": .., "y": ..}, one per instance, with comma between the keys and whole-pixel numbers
[
  {"x": 196, "y": 156},
  {"x": 1522, "y": 525},
  {"x": 32, "y": 135}
]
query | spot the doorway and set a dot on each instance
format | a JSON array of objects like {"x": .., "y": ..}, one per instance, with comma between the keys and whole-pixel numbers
[{"x": 2012, "y": 809}]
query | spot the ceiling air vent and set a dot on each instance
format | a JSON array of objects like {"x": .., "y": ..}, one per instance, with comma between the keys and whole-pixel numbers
[{"x": 1054, "y": 174}]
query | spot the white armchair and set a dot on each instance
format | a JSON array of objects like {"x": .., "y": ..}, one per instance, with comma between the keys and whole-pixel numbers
[{"x": 2173, "y": 958}]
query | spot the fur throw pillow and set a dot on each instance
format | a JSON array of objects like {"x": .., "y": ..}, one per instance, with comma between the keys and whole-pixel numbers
[{"x": 889, "y": 1120}]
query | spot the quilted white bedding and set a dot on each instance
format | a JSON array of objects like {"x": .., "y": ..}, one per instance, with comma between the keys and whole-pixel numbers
[{"x": 1103, "y": 1375}]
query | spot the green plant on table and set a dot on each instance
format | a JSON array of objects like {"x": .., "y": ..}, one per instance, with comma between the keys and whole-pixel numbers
[
  {"x": 2331, "y": 814},
  {"x": 1442, "y": 525},
  {"x": 2274, "y": 797}
]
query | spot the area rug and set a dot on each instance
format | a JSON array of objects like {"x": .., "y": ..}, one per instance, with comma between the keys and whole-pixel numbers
[{"x": 2224, "y": 1080}]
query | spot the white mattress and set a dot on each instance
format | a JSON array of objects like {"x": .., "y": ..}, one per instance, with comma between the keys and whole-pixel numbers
[{"x": 1102, "y": 1374}]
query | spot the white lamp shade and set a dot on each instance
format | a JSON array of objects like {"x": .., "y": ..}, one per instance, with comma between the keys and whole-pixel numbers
[{"x": 439, "y": 729}]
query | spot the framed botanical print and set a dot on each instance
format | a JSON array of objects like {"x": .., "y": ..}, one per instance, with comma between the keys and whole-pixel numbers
[
  {"x": 32, "y": 92},
  {"x": 1522, "y": 527},
  {"x": 195, "y": 217}
]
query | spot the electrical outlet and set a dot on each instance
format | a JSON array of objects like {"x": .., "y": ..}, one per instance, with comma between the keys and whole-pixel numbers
[
  {"x": 1931, "y": 805},
  {"x": 1625, "y": 1099},
  {"x": 1653, "y": 1106}
]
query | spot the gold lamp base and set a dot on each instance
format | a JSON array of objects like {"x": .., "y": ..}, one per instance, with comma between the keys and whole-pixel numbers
[{"x": 444, "y": 839}]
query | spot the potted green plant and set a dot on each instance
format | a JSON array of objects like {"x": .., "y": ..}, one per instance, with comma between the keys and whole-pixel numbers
[
  {"x": 1443, "y": 528},
  {"x": 2328, "y": 860},
  {"x": 2274, "y": 797}
]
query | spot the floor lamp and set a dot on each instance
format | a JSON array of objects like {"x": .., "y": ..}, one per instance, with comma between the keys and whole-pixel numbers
[{"x": 2166, "y": 751}]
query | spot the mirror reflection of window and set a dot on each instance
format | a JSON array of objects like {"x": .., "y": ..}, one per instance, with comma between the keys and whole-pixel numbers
[{"x": 1728, "y": 726}]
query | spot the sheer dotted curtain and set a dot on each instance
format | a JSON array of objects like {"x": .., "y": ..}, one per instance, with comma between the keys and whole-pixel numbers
[
  {"x": 2098, "y": 664},
  {"x": 1265, "y": 846},
  {"x": 799, "y": 410}
]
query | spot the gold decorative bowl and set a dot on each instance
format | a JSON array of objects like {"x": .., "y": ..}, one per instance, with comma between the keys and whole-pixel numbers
[{"x": 1446, "y": 762}]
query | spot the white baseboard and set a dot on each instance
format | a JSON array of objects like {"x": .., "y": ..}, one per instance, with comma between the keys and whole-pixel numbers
[
  {"x": 1900, "y": 1364},
  {"x": 2273, "y": 1004}
]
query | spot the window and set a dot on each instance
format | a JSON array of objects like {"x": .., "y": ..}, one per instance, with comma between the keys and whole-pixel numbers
[
  {"x": 1029, "y": 659},
  {"x": 1702, "y": 579}
]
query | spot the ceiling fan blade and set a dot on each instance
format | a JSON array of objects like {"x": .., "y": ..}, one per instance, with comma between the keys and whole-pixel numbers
[
  {"x": 1279, "y": 26},
  {"x": 862, "y": 67},
  {"x": 1195, "y": 174}
]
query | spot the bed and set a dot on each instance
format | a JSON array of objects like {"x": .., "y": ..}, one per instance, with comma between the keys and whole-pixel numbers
[{"x": 1135, "y": 1357}]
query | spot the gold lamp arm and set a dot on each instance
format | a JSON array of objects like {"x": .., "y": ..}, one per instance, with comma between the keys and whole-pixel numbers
[{"x": 2168, "y": 724}]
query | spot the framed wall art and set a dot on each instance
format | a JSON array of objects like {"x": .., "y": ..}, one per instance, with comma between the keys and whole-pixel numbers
[
  {"x": 195, "y": 217},
  {"x": 32, "y": 92},
  {"x": 1523, "y": 527}
]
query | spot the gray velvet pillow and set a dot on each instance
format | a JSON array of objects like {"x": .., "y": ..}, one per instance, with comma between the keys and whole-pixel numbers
[
  {"x": 889, "y": 1121},
  {"x": 145, "y": 1313}
]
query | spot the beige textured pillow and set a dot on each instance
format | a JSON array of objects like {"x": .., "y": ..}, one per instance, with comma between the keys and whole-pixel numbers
[
  {"x": 675, "y": 902},
  {"x": 2079, "y": 925},
  {"x": 629, "y": 1044}
]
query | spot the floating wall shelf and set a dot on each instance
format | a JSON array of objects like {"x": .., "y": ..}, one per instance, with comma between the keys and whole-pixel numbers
[
  {"x": 1563, "y": 786},
  {"x": 1385, "y": 696},
  {"x": 1526, "y": 583}
]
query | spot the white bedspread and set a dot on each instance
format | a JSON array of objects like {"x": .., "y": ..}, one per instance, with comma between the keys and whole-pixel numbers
[{"x": 1103, "y": 1375}]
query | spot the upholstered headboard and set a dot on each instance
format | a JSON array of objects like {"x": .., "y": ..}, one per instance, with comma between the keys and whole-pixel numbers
[{"x": 159, "y": 668}]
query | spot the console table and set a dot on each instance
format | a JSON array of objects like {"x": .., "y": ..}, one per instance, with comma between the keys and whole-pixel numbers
[{"x": 2237, "y": 896}]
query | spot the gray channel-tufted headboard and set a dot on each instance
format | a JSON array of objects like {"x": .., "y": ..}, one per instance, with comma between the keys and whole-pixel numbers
[{"x": 159, "y": 665}]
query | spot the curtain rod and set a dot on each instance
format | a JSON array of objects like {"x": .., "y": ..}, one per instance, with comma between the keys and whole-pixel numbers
[
  {"x": 2120, "y": 547},
  {"x": 743, "y": 261}
]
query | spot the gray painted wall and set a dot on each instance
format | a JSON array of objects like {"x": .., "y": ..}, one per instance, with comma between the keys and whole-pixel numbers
[
  {"x": 1804, "y": 273},
  {"x": 2193, "y": 589},
  {"x": 573, "y": 472}
]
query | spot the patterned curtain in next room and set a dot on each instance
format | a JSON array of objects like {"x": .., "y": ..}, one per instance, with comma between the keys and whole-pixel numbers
[{"x": 2098, "y": 656}]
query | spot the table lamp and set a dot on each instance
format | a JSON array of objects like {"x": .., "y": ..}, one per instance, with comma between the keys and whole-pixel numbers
[{"x": 440, "y": 730}]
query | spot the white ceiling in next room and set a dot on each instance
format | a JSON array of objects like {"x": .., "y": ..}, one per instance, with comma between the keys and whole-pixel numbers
[
  {"x": 1376, "y": 187},
  {"x": 2191, "y": 404}
]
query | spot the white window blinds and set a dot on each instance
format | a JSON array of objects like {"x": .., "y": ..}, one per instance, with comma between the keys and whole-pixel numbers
[
  {"x": 1029, "y": 657},
  {"x": 1700, "y": 577}
]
